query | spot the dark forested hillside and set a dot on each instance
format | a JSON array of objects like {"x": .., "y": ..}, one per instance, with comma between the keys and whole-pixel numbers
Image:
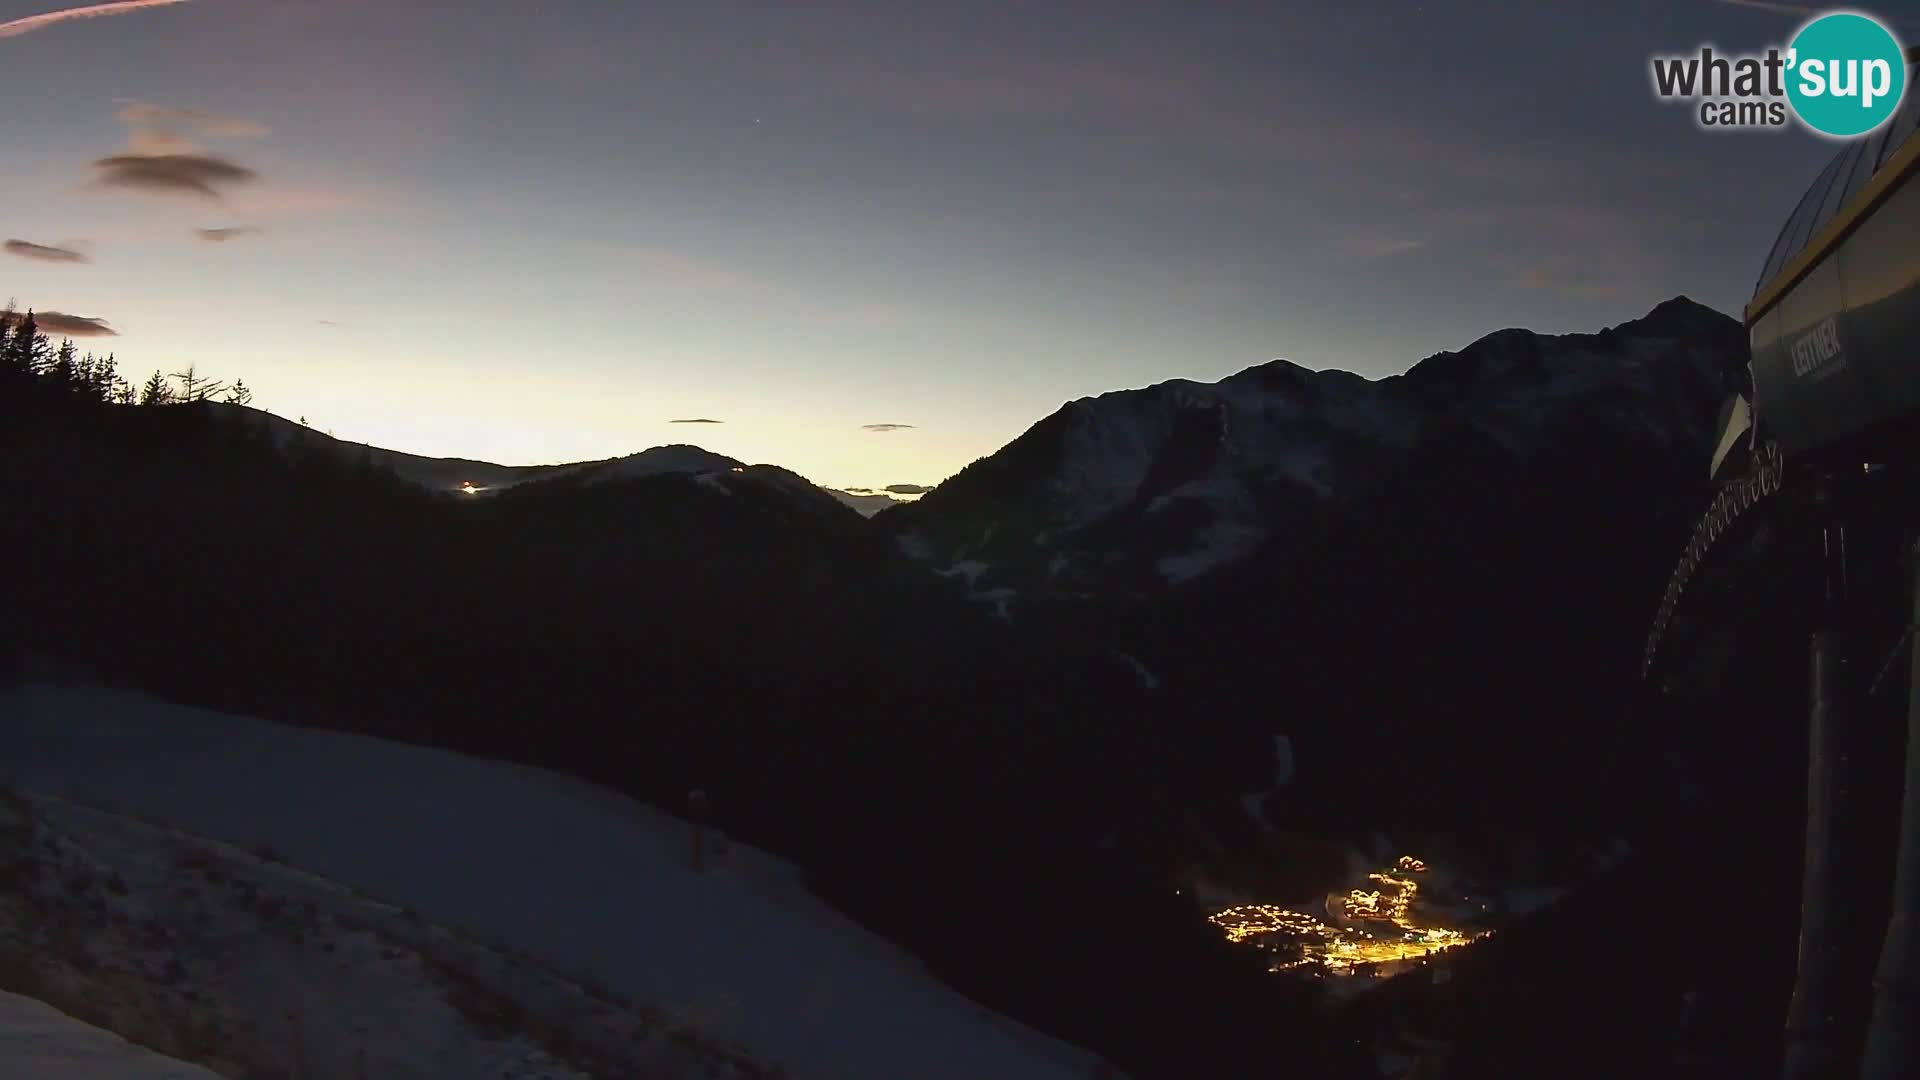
[{"x": 1005, "y": 803}]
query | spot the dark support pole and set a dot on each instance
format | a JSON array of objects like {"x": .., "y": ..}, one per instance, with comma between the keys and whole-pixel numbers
[
  {"x": 1893, "y": 1040},
  {"x": 1812, "y": 1035}
]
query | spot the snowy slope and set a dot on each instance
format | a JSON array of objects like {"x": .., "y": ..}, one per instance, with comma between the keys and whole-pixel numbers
[
  {"x": 661, "y": 459},
  {"x": 582, "y": 879},
  {"x": 248, "y": 967},
  {"x": 433, "y": 474},
  {"x": 39, "y": 1042}
]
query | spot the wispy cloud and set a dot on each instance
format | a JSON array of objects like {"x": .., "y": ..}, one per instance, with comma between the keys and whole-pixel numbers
[
  {"x": 202, "y": 175},
  {"x": 1386, "y": 248},
  {"x": 151, "y": 121},
  {"x": 1770, "y": 5},
  {"x": 30, "y": 23},
  {"x": 697, "y": 420},
  {"x": 163, "y": 155},
  {"x": 329, "y": 322},
  {"x": 1368, "y": 243},
  {"x": 44, "y": 252},
  {"x": 908, "y": 489},
  {"x": 232, "y": 232},
  {"x": 886, "y": 427},
  {"x": 60, "y": 324}
]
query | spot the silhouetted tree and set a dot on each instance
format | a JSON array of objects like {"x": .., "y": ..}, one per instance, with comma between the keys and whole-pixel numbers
[
  {"x": 156, "y": 391},
  {"x": 239, "y": 393},
  {"x": 64, "y": 371},
  {"x": 195, "y": 388},
  {"x": 27, "y": 347},
  {"x": 102, "y": 378}
]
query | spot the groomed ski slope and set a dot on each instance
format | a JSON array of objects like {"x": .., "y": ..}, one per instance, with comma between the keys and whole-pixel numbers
[
  {"x": 583, "y": 879},
  {"x": 39, "y": 1042}
]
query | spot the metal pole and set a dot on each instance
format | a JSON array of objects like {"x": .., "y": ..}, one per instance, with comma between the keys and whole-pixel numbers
[
  {"x": 1893, "y": 1039},
  {"x": 1812, "y": 1036}
]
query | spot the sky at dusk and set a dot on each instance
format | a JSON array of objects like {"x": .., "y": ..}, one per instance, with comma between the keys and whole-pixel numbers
[{"x": 542, "y": 230}]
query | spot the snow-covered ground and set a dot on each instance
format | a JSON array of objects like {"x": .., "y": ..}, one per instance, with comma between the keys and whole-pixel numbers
[
  {"x": 39, "y": 1042},
  {"x": 577, "y": 878},
  {"x": 240, "y": 963}
]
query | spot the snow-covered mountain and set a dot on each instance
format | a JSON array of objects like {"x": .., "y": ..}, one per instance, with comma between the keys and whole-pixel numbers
[
  {"x": 467, "y": 478},
  {"x": 1161, "y": 485}
]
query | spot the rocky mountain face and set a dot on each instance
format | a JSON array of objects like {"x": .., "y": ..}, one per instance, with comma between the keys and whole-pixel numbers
[
  {"x": 1137, "y": 490},
  {"x": 1432, "y": 584}
]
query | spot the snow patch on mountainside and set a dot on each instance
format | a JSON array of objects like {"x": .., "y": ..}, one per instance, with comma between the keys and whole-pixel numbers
[
  {"x": 441, "y": 475},
  {"x": 660, "y": 459},
  {"x": 576, "y": 877},
  {"x": 967, "y": 569},
  {"x": 1000, "y": 600},
  {"x": 1146, "y": 677},
  {"x": 1254, "y": 802},
  {"x": 1283, "y": 755},
  {"x": 1105, "y": 455},
  {"x": 1218, "y": 544},
  {"x": 459, "y": 476},
  {"x": 1189, "y": 476},
  {"x": 1112, "y": 442}
]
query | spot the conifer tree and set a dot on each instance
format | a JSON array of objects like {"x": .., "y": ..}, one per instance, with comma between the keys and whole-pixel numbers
[
  {"x": 103, "y": 377},
  {"x": 156, "y": 391},
  {"x": 64, "y": 370},
  {"x": 27, "y": 347}
]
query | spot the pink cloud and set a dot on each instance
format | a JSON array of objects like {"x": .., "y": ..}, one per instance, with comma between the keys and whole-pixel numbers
[
  {"x": 275, "y": 200},
  {"x": 29, "y": 24}
]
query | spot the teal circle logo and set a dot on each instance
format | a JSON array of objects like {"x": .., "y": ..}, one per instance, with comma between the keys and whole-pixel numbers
[{"x": 1846, "y": 74}]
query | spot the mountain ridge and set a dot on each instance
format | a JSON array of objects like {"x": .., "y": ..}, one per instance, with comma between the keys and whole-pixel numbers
[
  {"x": 468, "y": 476},
  {"x": 1229, "y": 456}
]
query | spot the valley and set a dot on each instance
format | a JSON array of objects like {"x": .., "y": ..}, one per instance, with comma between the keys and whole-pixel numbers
[{"x": 1368, "y": 932}]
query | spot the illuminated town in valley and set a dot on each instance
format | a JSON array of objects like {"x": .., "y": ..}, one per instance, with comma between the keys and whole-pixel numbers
[{"x": 1366, "y": 932}]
